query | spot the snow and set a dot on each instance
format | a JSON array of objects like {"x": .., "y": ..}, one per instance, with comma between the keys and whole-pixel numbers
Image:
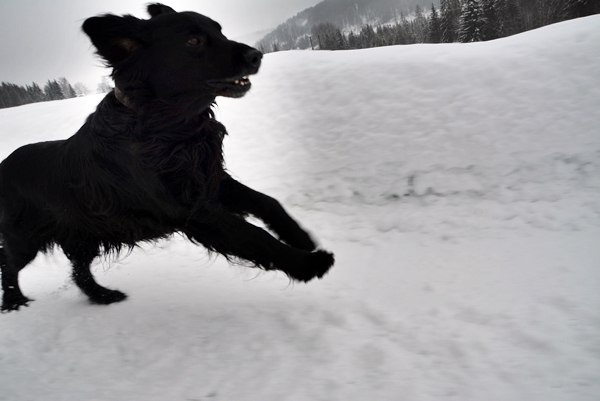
[{"x": 459, "y": 187}]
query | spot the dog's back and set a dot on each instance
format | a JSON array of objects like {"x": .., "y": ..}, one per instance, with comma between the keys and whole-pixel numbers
[{"x": 31, "y": 188}]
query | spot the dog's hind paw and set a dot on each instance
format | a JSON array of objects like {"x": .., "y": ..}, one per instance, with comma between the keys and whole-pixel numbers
[
  {"x": 315, "y": 264},
  {"x": 14, "y": 303}
]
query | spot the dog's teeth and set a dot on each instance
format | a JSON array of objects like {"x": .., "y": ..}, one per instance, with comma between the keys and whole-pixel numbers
[{"x": 242, "y": 81}]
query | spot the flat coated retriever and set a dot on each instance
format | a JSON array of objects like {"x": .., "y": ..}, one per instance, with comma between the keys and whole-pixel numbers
[{"x": 147, "y": 163}]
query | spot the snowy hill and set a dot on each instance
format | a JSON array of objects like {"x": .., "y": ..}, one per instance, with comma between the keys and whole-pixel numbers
[
  {"x": 344, "y": 14},
  {"x": 458, "y": 185}
]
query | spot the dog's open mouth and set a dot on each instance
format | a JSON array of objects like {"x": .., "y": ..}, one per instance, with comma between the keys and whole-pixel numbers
[{"x": 234, "y": 87}]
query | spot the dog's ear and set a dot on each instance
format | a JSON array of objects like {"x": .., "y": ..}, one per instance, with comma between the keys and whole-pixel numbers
[
  {"x": 115, "y": 38},
  {"x": 157, "y": 9}
]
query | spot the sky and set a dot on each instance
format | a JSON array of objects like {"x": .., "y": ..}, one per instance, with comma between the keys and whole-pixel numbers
[{"x": 41, "y": 39}]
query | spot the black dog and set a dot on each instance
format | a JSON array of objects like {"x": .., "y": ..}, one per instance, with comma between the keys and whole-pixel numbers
[{"x": 148, "y": 163}]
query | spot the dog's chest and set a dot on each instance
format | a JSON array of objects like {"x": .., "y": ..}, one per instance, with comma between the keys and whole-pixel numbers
[{"x": 189, "y": 168}]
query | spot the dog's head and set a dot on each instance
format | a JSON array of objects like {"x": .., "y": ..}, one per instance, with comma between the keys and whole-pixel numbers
[{"x": 172, "y": 55}]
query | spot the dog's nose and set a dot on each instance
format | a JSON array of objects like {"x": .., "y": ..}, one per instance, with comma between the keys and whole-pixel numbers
[{"x": 253, "y": 57}]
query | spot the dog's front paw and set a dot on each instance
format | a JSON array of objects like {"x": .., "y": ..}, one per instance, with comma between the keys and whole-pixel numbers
[
  {"x": 107, "y": 297},
  {"x": 315, "y": 264},
  {"x": 300, "y": 240}
]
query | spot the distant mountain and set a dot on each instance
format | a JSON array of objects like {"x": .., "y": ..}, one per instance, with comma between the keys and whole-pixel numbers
[
  {"x": 251, "y": 38},
  {"x": 345, "y": 14}
]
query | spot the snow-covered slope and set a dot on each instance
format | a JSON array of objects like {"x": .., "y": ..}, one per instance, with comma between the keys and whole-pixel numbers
[{"x": 458, "y": 185}]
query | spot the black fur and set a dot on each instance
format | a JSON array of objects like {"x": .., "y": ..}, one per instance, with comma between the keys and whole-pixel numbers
[{"x": 147, "y": 163}]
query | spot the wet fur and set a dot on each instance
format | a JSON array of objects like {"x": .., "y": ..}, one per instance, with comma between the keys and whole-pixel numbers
[{"x": 146, "y": 164}]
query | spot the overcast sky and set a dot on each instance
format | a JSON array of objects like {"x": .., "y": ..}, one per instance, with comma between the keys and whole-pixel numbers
[{"x": 42, "y": 39}]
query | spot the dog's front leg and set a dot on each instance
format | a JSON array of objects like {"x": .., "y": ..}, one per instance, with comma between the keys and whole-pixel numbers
[
  {"x": 233, "y": 237},
  {"x": 240, "y": 199}
]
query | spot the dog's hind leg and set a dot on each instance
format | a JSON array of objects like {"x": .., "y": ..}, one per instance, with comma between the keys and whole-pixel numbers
[
  {"x": 12, "y": 260},
  {"x": 81, "y": 258},
  {"x": 239, "y": 199}
]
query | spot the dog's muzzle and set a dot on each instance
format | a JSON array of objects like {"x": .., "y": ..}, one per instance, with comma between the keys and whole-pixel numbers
[{"x": 239, "y": 85}]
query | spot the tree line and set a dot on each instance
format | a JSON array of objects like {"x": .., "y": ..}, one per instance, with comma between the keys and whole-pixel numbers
[
  {"x": 295, "y": 33},
  {"x": 455, "y": 21},
  {"x": 12, "y": 95}
]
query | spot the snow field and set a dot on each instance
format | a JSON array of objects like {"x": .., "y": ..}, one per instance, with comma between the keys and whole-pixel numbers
[{"x": 458, "y": 186}]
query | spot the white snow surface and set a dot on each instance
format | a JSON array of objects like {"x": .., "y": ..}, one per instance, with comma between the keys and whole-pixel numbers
[{"x": 459, "y": 188}]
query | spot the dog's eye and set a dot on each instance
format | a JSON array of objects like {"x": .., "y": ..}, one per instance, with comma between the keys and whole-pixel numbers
[{"x": 194, "y": 41}]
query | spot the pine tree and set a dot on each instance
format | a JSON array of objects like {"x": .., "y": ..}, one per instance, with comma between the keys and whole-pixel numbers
[
  {"x": 3, "y": 102},
  {"x": 339, "y": 40},
  {"x": 509, "y": 18},
  {"x": 580, "y": 8},
  {"x": 52, "y": 91},
  {"x": 367, "y": 37},
  {"x": 401, "y": 35},
  {"x": 550, "y": 11},
  {"x": 471, "y": 22},
  {"x": 434, "y": 34},
  {"x": 420, "y": 25},
  {"x": 527, "y": 17},
  {"x": 66, "y": 88},
  {"x": 491, "y": 27},
  {"x": 450, "y": 11},
  {"x": 325, "y": 34},
  {"x": 80, "y": 89},
  {"x": 407, "y": 27},
  {"x": 35, "y": 93},
  {"x": 104, "y": 86},
  {"x": 7, "y": 92},
  {"x": 352, "y": 41}
]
